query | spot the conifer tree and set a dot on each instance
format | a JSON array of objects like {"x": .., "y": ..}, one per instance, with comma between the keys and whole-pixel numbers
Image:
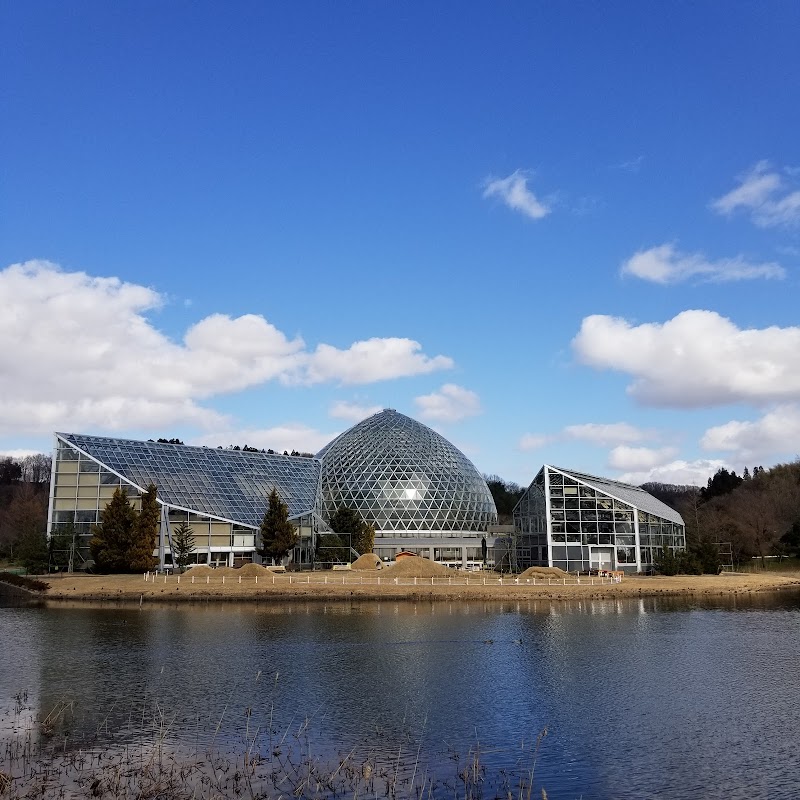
[
  {"x": 140, "y": 556},
  {"x": 278, "y": 535},
  {"x": 352, "y": 529},
  {"x": 182, "y": 545},
  {"x": 114, "y": 535}
]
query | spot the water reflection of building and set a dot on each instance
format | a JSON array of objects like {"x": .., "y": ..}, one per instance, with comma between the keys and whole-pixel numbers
[{"x": 579, "y": 522}]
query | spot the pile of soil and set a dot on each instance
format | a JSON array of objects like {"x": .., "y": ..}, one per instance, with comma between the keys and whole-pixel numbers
[
  {"x": 366, "y": 562},
  {"x": 253, "y": 570},
  {"x": 417, "y": 568},
  {"x": 544, "y": 572},
  {"x": 201, "y": 569}
]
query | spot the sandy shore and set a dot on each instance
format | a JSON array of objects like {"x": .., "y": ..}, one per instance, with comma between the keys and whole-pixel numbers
[{"x": 133, "y": 588}]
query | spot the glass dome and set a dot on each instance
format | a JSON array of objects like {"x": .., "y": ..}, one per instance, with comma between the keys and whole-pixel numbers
[{"x": 402, "y": 476}]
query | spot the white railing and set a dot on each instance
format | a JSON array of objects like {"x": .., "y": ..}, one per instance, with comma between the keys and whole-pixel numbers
[{"x": 353, "y": 579}]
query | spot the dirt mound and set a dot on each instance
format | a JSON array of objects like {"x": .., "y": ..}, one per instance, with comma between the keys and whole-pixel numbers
[
  {"x": 417, "y": 568},
  {"x": 544, "y": 572},
  {"x": 253, "y": 570},
  {"x": 367, "y": 561},
  {"x": 200, "y": 569}
]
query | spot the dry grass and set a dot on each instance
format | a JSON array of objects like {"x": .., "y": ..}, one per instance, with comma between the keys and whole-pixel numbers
[
  {"x": 347, "y": 585},
  {"x": 160, "y": 763}
]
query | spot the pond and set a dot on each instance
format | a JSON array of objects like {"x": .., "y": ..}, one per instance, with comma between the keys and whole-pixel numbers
[{"x": 638, "y": 698}]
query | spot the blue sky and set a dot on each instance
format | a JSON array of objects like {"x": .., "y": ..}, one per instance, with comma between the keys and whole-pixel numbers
[{"x": 561, "y": 232}]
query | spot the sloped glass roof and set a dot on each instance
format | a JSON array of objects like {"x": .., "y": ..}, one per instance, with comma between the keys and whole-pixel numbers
[
  {"x": 402, "y": 476},
  {"x": 228, "y": 484},
  {"x": 632, "y": 495}
]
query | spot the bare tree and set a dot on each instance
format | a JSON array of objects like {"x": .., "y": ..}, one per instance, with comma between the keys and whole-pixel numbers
[
  {"x": 36, "y": 468},
  {"x": 764, "y": 508}
]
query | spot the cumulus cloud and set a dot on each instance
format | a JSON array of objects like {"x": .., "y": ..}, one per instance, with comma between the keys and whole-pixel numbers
[
  {"x": 606, "y": 434},
  {"x": 369, "y": 361},
  {"x": 691, "y": 473},
  {"x": 450, "y": 404},
  {"x": 664, "y": 264},
  {"x": 765, "y": 195},
  {"x": 18, "y": 455},
  {"x": 352, "y": 412},
  {"x": 696, "y": 359},
  {"x": 600, "y": 434},
  {"x": 279, "y": 438},
  {"x": 514, "y": 192},
  {"x": 79, "y": 352},
  {"x": 639, "y": 458},
  {"x": 534, "y": 441},
  {"x": 776, "y": 432}
]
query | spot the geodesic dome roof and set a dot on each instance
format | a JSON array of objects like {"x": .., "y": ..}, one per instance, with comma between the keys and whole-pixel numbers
[{"x": 402, "y": 476}]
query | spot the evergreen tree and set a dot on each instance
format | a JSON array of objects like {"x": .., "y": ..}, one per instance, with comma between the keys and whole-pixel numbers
[
  {"x": 278, "y": 535},
  {"x": 114, "y": 535},
  {"x": 182, "y": 545},
  {"x": 667, "y": 562},
  {"x": 330, "y": 549},
  {"x": 32, "y": 551},
  {"x": 706, "y": 552},
  {"x": 139, "y": 556},
  {"x": 723, "y": 482},
  {"x": 60, "y": 547},
  {"x": 352, "y": 530}
]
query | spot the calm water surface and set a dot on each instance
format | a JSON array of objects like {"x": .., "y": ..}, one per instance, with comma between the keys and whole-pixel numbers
[{"x": 639, "y": 698}]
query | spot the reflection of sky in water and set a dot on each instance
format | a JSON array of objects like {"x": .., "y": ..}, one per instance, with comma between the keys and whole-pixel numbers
[{"x": 639, "y": 697}]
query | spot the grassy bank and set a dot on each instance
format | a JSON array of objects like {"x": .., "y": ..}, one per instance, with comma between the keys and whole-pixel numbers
[{"x": 134, "y": 588}]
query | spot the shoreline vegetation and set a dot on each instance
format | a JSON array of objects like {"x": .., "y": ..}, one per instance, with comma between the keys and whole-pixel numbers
[
  {"x": 364, "y": 586},
  {"x": 153, "y": 757}
]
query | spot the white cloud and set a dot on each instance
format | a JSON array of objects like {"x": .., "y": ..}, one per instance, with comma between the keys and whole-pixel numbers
[
  {"x": 691, "y": 473},
  {"x": 534, "y": 441},
  {"x": 369, "y": 361},
  {"x": 696, "y": 359},
  {"x": 639, "y": 458},
  {"x": 776, "y": 433},
  {"x": 18, "y": 455},
  {"x": 632, "y": 165},
  {"x": 763, "y": 193},
  {"x": 514, "y": 192},
  {"x": 664, "y": 264},
  {"x": 606, "y": 434},
  {"x": 601, "y": 434},
  {"x": 292, "y": 436},
  {"x": 352, "y": 412},
  {"x": 79, "y": 353},
  {"x": 450, "y": 404}
]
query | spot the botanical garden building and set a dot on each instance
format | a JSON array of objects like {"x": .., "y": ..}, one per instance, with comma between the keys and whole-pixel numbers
[
  {"x": 579, "y": 522},
  {"x": 418, "y": 491}
]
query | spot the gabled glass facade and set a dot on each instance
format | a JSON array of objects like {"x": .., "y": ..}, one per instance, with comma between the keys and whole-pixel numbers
[
  {"x": 580, "y": 522},
  {"x": 221, "y": 494}
]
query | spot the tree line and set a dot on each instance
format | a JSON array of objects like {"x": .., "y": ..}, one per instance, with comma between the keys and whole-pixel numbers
[
  {"x": 24, "y": 495},
  {"x": 757, "y": 513}
]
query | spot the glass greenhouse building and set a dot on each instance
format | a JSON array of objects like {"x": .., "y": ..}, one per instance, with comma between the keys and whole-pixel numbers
[
  {"x": 221, "y": 494},
  {"x": 579, "y": 522},
  {"x": 418, "y": 491}
]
